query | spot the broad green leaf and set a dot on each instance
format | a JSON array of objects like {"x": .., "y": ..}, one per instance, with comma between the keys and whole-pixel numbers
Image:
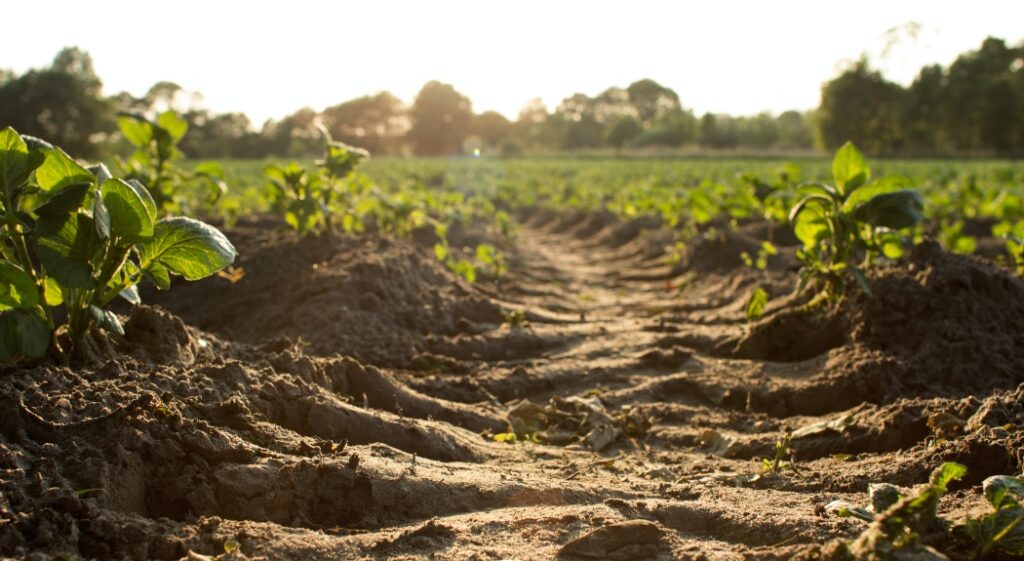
[
  {"x": 64, "y": 202},
  {"x": 159, "y": 274},
  {"x": 136, "y": 130},
  {"x": 17, "y": 287},
  {"x": 849, "y": 169},
  {"x": 59, "y": 171},
  {"x": 175, "y": 126},
  {"x": 895, "y": 210},
  {"x": 147, "y": 198},
  {"x": 53, "y": 294},
  {"x": 947, "y": 473},
  {"x": 66, "y": 248},
  {"x": 23, "y": 332},
  {"x": 810, "y": 224},
  {"x": 16, "y": 160},
  {"x": 186, "y": 247},
  {"x": 130, "y": 217},
  {"x": 101, "y": 217},
  {"x": 1001, "y": 489},
  {"x": 877, "y": 187}
]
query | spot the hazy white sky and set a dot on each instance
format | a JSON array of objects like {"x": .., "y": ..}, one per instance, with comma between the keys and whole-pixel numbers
[{"x": 268, "y": 59}]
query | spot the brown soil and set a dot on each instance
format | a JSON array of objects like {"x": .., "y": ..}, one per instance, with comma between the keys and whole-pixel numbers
[{"x": 339, "y": 401}]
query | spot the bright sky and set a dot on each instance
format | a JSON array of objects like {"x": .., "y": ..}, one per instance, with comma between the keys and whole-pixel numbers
[{"x": 271, "y": 58}]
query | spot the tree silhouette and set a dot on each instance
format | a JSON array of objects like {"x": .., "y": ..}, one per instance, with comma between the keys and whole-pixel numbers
[
  {"x": 62, "y": 104},
  {"x": 440, "y": 120}
]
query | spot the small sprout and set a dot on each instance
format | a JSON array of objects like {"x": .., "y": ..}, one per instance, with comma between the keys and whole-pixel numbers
[
  {"x": 756, "y": 304},
  {"x": 516, "y": 319},
  {"x": 782, "y": 451},
  {"x": 1002, "y": 529}
]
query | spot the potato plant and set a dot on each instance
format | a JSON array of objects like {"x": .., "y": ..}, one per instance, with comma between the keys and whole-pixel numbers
[
  {"x": 846, "y": 225},
  {"x": 74, "y": 238},
  {"x": 310, "y": 200},
  {"x": 154, "y": 161}
]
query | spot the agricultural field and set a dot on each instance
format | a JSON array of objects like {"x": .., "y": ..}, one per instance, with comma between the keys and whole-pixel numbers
[{"x": 508, "y": 359}]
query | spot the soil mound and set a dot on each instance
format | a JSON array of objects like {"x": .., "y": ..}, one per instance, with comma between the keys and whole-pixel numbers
[
  {"x": 955, "y": 321},
  {"x": 375, "y": 299}
]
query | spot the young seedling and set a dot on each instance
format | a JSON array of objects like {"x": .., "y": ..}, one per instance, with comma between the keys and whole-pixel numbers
[
  {"x": 76, "y": 238},
  {"x": 1001, "y": 530},
  {"x": 310, "y": 200},
  {"x": 782, "y": 450},
  {"x": 896, "y": 530},
  {"x": 844, "y": 226},
  {"x": 756, "y": 304}
]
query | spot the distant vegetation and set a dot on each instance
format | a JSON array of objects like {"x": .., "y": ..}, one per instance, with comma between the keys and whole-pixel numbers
[{"x": 973, "y": 107}]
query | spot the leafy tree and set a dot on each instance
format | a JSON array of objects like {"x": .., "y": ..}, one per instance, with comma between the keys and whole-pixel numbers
[
  {"x": 374, "y": 122},
  {"x": 491, "y": 127},
  {"x": 441, "y": 118},
  {"x": 980, "y": 98},
  {"x": 923, "y": 108},
  {"x": 295, "y": 135},
  {"x": 863, "y": 107},
  {"x": 652, "y": 101},
  {"x": 623, "y": 131},
  {"x": 794, "y": 130},
  {"x": 575, "y": 123},
  {"x": 62, "y": 103}
]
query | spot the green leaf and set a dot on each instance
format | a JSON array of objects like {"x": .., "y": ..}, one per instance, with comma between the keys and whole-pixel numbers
[
  {"x": 101, "y": 217},
  {"x": 16, "y": 161},
  {"x": 136, "y": 130},
  {"x": 64, "y": 202},
  {"x": 131, "y": 218},
  {"x": 756, "y": 303},
  {"x": 877, "y": 187},
  {"x": 159, "y": 275},
  {"x": 17, "y": 287},
  {"x": 53, "y": 294},
  {"x": 175, "y": 126},
  {"x": 1003, "y": 489},
  {"x": 59, "y": 171},
  {"x": 849, "y": 169},
  {"x": 947, "y": 473},
  {"x": 810, "y": 223},
  {"x": 186, "y": 247},
  {"x": 895, "y": 210},
  {"x": 23, "y": 332},
  {"x": 66, "y": 248}
]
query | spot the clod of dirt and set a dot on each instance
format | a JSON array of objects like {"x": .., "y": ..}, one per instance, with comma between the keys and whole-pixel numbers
[{"x": 622, "y": 541}]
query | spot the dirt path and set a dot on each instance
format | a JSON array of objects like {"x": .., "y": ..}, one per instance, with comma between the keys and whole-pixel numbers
[{"x": 652, "y": 403}]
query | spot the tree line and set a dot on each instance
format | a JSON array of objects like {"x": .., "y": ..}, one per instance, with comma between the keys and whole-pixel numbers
[{"x": 974, "y": 106}]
